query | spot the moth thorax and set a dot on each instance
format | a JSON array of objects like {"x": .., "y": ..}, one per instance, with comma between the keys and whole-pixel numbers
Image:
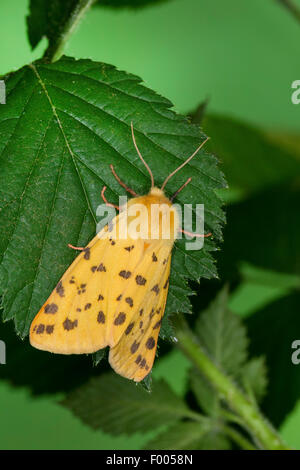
[
  {"x": 163, "y": 221},
  {"x": 153, "y": 217}
]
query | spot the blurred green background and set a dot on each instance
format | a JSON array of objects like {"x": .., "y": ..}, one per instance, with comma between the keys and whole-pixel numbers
[{"x": 243, "y": 56}]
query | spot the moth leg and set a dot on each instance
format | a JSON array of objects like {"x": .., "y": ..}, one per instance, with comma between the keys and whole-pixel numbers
[
  {"x": 180, "y": 189},
  {"x": 190, "y": 234},
  {"x": 106, "y": 201},
  {"x": 75, "y": 247}
]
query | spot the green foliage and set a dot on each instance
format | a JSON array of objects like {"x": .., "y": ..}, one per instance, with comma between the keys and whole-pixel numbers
[
  {"x": 65, "y": 124},
  {"x": 272, "y": 331},
  {"x": 250, "y": 161},
  {"x": 49, "y": 18},
  {"x": 129, "y": 409},
  {"x": 263, "y": 231},
  {"x": 254, "y": 378},
  {"x": 264, "y": 188},
  {"x": 222, "y": 334},
  {"x": 190, "y": 436},
  {"x": 119, "y": 406},
  {"x": 98, "y": 356},
  {"x": 262, "y": 248},
  {"x": 128, "y": 3}
]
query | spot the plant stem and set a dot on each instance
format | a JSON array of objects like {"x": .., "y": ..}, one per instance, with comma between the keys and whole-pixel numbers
[
  {"x": 291, "y": 7},
  {"x": 55, "y": 48},
  {"x": 236, "y": 437},
  {"x": 261, "y": 430}
]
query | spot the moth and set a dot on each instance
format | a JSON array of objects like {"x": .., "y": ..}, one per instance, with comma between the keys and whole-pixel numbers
[{"x": 114, "y": 293}]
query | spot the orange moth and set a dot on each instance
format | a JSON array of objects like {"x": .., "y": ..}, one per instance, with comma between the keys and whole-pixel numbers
[{"x": 114, "y": 293}]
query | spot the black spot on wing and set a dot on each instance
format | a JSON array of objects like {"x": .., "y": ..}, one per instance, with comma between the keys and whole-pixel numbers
[
  {"x": 40, "y": 329},
  {"x": 134, "y": 347},
  {"x": 69, "y": 324},
  {"x": 101, "y": 317},
  {"x": 101, "y": 268},
  {"x": 150, "y": 343},
  {"x": 155, "y": 289},
  {"x": 129, "y": 300},
  {"x": 60, "y": 289},
  {"x": 138, "y": 359},
  {"x": 129, "y": 328},
  {"x": 143, "y": 363},
  {"x": 51, "y": 308},
  {"x": 125, "y": 274},
  {"x": 120, "y": 318},
  {"x": 140, "y": 280},
  {"x": 129, "y": 248},
  {"x": 157, "y": 325},
  {"x": 49, "y": 329},
  {"x": 87, "y": 253}
]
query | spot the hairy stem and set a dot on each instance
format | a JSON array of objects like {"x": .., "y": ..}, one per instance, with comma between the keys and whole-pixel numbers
[
  {"x": 255, "y": 423},
  {"x": 55, "y": 48}
]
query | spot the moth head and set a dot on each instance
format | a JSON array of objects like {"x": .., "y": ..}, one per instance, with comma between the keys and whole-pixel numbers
[
  {"x": 154, "y": 214},
  {"x": 152, "y": 217}
]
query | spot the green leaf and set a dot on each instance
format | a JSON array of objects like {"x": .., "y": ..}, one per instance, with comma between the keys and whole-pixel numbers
[
  {"x": 98, "y": 356},
  {"x": 288, "y": 141},
  {"x": 250, "y": 160},
  {"x": 263, "y": 176},
  {"x": 189, "y": 436},
  {"x": 272, "y": 330},
  {"x": 63, "y": 125},
  {"x": 118, "y": 406},
  {"x": 254, "y": 378},
  {"x": 254, "y": 275},
  {"x": 263, "y": 231},
  {"x": 223, "y": 335},
  {"x": 146, "y": 383},
  {"x": 204, "y": 392},
  {"x": 127, "y": 3},
  {"x": 48, "y": 18}
]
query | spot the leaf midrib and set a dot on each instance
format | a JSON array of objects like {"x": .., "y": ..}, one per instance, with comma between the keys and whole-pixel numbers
[{"x": 200, "y": 170}]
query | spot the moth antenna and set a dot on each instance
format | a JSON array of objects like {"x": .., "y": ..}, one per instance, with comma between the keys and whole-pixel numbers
[
  {"x": 183, "y": 164},
  {"x": 140, "y": 155},
  {"x": 121, "y": 183},
  {"x": 181, "y": 188}
]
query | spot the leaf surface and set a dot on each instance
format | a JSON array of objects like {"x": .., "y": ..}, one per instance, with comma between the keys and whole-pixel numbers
[
  {"x": 118, "y": 406},
  {"x": 62, "y": 127}
]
